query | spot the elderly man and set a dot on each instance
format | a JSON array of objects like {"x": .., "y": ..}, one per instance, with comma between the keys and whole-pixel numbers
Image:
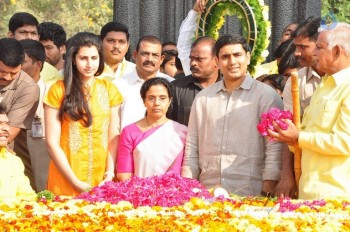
[
  {"x": 223, "y": 146},
  {"x": 324, "y": 137}
]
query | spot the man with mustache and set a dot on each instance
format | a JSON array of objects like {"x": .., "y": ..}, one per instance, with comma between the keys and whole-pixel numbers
[
  {"x": 148, "y": 58},
  {"x": 19, "y": 94},
  {"x": 115, "y": 43},
  {"x": 14, "y": 184},
  {"x": 324, "y": 136},
  {"x": 205, "y": 72},
  {"x": 304, "y": 38}
]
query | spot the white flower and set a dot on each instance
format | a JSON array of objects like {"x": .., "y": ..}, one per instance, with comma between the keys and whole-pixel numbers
[
  {"x": 265, "y": 12},
  {"x": 261, "y": 2},
  {"x": 265, "y": 53}
]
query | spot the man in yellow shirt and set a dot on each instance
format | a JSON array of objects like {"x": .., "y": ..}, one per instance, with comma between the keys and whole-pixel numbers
[
  {"x": 325, "y": 130},
  {"x": 13, "y": 183}
]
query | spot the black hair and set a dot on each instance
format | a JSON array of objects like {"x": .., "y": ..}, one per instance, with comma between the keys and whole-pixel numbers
[
  {"x": 74, "y": 104},
  {"x": 168, "y": 55},
  {"x": 20, "y": 19},
  {"x": 114, "y": 26},
  {"x": 168, "y": 43},
  {"x": 155, "y": 81},
  {"x": 201, "y": 39},
  {"x": 54, "y": 32},
  {"x": 178, "y": 64},
  {"x": 231, "y": 39},
  {"x": 11, "y": 52},
  {"x": 308, "y": 28},
  {"x": 288, "y": 60},
  {"x": 276, "y": 81},
  {"x": 283, "y": 48},
  {"x": 34, "y": 49},
  {"x": 148, "y": 38},
  {"x": 3, "y": 108}
]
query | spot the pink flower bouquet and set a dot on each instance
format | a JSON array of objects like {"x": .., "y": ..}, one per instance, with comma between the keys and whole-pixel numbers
[{"x": 273, "y": 115}]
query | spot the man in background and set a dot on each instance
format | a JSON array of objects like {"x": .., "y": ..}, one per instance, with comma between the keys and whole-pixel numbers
[
  {"x": 148, "y": 57},
  {"x": 33, "y": 63},
  {"x": 115, "y": 42},
  {"x": 205, "y": 72},
  {"x": 53, "y": 37}
]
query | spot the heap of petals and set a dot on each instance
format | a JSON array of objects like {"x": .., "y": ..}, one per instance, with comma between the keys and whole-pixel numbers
[
  {"x": 165, "y": 190},
  {"x": 273, "y": 115},
  {"x": 287, "y": 205}
]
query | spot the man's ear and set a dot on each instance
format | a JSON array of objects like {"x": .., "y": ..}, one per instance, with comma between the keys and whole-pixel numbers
[
  {"x": 63, "y": 49},
  {"x": 39, "y": 65},
  {"x": 134, "y": 54},
  {"x": 10, "y": 34},
  {"x": 336, "y": 50},
  {"x": 248, "y": 56}
]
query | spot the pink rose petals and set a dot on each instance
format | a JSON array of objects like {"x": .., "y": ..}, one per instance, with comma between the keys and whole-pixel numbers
[
  {"x": 166, "y": 190},
  {"x": 286, "y": 205},
  {"x": 273, "y": 115}
]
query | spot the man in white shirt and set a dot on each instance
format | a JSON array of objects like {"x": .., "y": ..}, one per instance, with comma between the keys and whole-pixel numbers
[
  {"x": 39, "y": 156},
  {"x": 115, "y": 42},
  {"x": 148, "y": 58}
]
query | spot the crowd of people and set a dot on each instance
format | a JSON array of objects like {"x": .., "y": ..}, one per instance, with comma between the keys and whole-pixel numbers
[{"x": 78, "y": 113}]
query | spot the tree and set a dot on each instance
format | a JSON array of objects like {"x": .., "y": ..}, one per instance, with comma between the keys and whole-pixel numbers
[
  {"x": 73, "y": 15},
  {"x": 340, "y": 8}
]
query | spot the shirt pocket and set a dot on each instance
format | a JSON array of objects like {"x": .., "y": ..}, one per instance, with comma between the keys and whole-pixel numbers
[{"x": 329, "y": 114}]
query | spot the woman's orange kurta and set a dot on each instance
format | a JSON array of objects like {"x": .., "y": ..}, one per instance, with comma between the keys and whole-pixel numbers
[{"x": 86, "y": 148}]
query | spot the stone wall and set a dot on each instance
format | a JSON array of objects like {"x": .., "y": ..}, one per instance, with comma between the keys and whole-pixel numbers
[{"x": 163, "y": 18}]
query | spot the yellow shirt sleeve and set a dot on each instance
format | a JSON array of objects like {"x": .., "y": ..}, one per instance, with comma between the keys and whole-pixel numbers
[
  {"x": 115, "y": 97},
  {"x": 54, "y": 96}
]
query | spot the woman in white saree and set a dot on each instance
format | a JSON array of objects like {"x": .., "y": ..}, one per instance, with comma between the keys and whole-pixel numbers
[{"x": 155, "y": 144}]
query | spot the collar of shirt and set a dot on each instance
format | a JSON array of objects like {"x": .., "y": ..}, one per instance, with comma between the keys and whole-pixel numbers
[
  {"x": 246, "y": 84},
  {"x": 4, "y": 152},
  {"x": 311, "y": 73},
  {"x": 188, "y": 80},
  {"x": 133, "y": 77},
  {"x": 341, "y": 76},
  {"x": 120, "y": 70}
]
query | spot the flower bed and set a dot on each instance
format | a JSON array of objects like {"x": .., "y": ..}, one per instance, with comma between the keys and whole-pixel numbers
[{"x": 199, "y": 213}]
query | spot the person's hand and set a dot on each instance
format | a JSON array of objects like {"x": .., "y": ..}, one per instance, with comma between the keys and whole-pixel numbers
[
  {"x": 199, "y": 5},
  {"x": 289, "y": 136},
  {"x": 106, "y": 179},
  {"x": 286, "y": 187},
  {"x": 81, "y": 186}
]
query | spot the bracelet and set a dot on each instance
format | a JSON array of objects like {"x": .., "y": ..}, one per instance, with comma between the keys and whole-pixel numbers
[{"x": 109, "y": 173}]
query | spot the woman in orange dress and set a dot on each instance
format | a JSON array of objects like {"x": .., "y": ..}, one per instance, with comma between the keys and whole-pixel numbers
[{"x": 82, "y": 121}]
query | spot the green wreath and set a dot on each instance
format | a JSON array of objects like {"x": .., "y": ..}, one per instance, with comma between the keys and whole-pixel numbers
[{"x": 253, "y": 15}]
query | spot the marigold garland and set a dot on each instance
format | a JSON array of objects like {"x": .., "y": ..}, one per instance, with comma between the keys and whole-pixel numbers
[{"x": 199, "y": 213}]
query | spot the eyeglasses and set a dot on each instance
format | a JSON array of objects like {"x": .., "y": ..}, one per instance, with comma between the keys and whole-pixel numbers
[{"x": 161, "y": 99}]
